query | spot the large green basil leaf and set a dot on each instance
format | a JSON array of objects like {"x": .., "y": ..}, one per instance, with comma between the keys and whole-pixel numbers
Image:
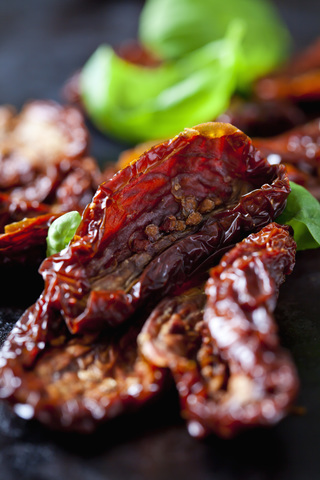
[
  {"x": 137, "y": 103},
  {"x": 172, "y": 28}
]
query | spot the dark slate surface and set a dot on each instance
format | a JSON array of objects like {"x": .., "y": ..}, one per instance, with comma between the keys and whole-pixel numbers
[{"x": 41, "y": 44}]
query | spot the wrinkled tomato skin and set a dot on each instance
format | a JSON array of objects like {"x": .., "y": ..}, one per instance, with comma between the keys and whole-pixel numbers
[
  {"x": 158, "y": 221},
  {"x": 223, "y": 351}
]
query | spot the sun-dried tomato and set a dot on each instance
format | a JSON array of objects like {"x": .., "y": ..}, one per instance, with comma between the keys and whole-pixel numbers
[
  {"x": 259, "y": 118},
  {"x": 44, "y": 168},
  {"x": 225, "y": 357},
  {"x": 298, "y": 81},
  {"x": 75, "y": 382},
  {"x": 298, "y": 148},
  {"x": 43, "y": 148},
  {"x": 37, "y": 140},
  {"x": 158, "y": 221},
  {"x": 14, "y": 211},
  {"x": 131, "y": 51},
  {"x": 24, "y": 242}
]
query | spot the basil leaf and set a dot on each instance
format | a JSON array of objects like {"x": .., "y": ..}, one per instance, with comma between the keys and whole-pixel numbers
[
  {"x": 172, "y": 28},
  {"x": 302, "y": 212},
  {"x": 136, "y": 103},
  {"x": 61, "y": 232}
]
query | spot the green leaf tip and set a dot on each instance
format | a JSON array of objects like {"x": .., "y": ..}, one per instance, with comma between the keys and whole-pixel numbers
[
  {"x": 302, "y": 212},
  {"x": 61, "y": 232}
]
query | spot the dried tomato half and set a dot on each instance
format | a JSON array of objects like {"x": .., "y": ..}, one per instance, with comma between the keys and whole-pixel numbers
[
  {"x": 74, "y": 383},
  {"x": 40, "y": 142},
  {"x": 44, "y": 169},
  {"x": 298, "y": 81},
  {"x": 160, "y": 220},
  {"x": 299, "y": 150},
  {"x": 224, "y": 353}
]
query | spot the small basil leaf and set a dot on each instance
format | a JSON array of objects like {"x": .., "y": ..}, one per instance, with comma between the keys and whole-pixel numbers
[
  {"x": 302, "y": 212},
  {"x": 61, "y": 232}
]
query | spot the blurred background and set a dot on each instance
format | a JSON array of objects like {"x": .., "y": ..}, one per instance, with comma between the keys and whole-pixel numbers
[{"x": 43, "y": 42}]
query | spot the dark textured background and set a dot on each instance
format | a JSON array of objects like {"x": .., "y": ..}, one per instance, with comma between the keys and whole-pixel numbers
[{"x": 42, "y": 42}]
